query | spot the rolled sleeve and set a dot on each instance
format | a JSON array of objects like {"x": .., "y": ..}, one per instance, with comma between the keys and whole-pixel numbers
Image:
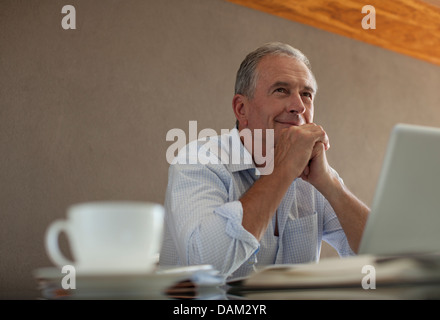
[
  {"x": 205, "y": 226},
  {"x": 233, "y": 212}
]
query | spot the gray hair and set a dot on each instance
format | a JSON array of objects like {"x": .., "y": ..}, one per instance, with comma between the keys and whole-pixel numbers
[{"x": 247, "y": 74}]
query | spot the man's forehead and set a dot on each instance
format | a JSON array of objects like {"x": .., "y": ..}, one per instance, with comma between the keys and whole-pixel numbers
[{"x": 284, "y": 69}]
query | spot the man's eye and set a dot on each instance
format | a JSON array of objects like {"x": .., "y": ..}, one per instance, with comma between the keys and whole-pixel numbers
[
  {"x": 282, "y": 90},
  {"x": 307, "y": 94}
]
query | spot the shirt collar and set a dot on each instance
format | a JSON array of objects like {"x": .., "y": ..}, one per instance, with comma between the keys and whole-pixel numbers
[{"x": 240, "y": 159}]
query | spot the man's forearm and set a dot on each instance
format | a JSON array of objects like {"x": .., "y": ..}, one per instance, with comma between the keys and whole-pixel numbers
[
  {"x": 261, "y": 201},
  {"x": 351, "y": 212}
]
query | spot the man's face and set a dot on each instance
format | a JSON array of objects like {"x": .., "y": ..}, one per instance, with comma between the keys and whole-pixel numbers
[{"x": 283, "y": 95}]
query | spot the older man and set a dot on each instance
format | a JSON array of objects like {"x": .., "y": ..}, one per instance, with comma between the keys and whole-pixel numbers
[{"x": 233, "y": 217}]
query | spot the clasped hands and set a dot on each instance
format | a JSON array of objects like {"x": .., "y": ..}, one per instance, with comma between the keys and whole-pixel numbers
[{"x": 300, "y": 152}]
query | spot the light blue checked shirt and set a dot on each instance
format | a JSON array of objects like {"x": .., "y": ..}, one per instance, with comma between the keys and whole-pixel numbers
[{"x": 203, "y": 214}]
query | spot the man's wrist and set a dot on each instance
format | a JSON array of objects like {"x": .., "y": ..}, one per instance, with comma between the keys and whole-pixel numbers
[{"x": 333, "y": 189}]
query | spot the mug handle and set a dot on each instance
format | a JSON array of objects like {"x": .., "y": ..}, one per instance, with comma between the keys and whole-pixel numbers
[{"x": 52, "y": 248}]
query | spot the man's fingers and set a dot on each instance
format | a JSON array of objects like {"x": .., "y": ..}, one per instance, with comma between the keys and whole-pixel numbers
[
  {"x": 318, "y": 149},
  {"x": 322, "y": 137},
  {"x": 318, "y": 134}
]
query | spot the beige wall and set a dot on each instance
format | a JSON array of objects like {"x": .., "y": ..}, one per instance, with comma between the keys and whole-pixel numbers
[{"x": 84, "y": 113}]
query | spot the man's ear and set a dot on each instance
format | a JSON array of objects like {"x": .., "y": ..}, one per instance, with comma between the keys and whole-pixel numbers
[{"x": 239, "y": 106}]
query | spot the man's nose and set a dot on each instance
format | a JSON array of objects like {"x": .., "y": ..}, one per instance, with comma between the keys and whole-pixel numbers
[{"x": 296, "y": 105}]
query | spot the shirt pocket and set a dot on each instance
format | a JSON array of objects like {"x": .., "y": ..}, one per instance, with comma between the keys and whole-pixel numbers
[{"x": 301, "y": 239}]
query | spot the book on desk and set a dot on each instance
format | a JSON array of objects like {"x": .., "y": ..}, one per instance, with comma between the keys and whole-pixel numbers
[{"x": 346, "y": 278}]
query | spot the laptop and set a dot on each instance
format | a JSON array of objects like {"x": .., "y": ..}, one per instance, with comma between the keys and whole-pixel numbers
[{"x": 405, "y": 213}]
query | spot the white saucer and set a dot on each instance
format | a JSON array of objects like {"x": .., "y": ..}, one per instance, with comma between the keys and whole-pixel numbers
[{"x": 93, "y": 285}]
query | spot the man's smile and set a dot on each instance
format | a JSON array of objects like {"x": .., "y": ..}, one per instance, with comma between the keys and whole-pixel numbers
[{"x": 290, "y": 122}]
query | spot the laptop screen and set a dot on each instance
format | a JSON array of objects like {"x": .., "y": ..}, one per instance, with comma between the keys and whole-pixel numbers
[{"x": 405, "y": 214}]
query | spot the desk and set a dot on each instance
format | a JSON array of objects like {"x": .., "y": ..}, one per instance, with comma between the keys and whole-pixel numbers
[
  {"x": 398, "y": 277},
  {"x": 426, "y": 291}
]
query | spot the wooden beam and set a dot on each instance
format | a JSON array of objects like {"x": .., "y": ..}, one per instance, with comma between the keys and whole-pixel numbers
[{"x": 410, "y": 27}]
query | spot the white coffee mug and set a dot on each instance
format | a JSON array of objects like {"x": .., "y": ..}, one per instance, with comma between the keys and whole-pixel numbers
[{"x": 109, "y": 237}]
